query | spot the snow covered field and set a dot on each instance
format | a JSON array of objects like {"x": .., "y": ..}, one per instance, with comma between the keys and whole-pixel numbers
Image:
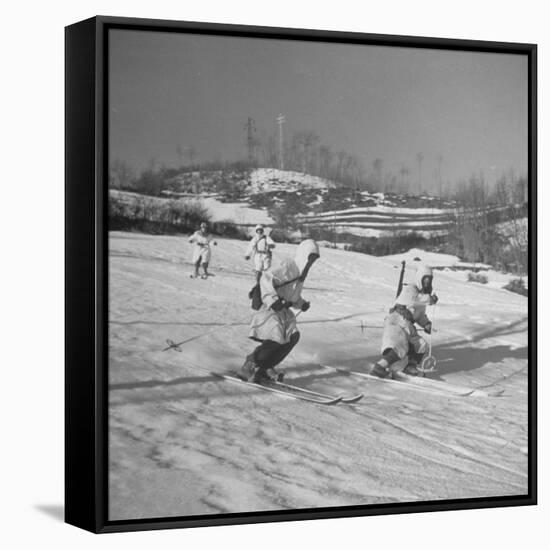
[{"x": 184, "y": 442}]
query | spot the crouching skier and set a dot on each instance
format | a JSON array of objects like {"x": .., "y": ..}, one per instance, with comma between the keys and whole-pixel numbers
[
  {"x": 201, "y": 255},
  {"x": 400, "y": 339},
  {"x": 274, "y": 325},
  {"x": 260, "y": 248}
]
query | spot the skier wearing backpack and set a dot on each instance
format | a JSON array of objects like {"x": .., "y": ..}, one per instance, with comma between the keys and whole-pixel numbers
[
  {"x": 400, "y": 339},
  {"x": 201, "y": 254},
  {"x": 274, "y": 325},
  {"x": 260, "y": 249}
]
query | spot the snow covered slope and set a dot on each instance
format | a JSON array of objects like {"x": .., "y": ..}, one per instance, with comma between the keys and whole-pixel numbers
[{"x": 184, "y": 442}]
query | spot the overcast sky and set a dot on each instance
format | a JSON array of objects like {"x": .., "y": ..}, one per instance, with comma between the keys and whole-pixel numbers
[{"x": 198, "y": 91}]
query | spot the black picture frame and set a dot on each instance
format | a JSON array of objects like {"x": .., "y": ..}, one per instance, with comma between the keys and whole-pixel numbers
[{"x": 86, "y": 176}]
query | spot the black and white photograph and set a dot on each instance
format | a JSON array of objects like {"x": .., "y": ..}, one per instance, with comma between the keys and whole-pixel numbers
[
  {"x": 273, "y": 275},
  {"x": 318, "y": 274}
]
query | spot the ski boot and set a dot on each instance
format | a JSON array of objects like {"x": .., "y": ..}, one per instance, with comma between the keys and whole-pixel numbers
[
  {"x": 411, "y": 369},
  {"x": 274, "y": 376},
  {"x": 249, "y": 371},
  {"x": 381, "y": 371}
]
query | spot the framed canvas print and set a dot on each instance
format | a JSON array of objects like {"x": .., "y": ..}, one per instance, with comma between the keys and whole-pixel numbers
[{"x": 300, "y": 274}]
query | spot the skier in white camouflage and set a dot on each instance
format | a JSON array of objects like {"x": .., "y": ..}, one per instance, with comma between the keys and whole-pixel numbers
[
  {"x": 260, "y": 249},
  {"x": 400, "y": 339},
  {"x": 274, "y": 325},
  {"x": 201, "y": 254}
]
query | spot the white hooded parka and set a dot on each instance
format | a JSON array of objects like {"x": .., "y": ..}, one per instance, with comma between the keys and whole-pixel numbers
[
  {"x": 283, "y": 281},
  {"x": 201, "y": 251},
  {"x": 399, "y": 333},
  {"x": 259, "y": 248}
]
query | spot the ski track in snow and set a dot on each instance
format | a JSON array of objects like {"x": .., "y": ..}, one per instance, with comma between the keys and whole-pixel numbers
[{"x": 183, "y": 442}]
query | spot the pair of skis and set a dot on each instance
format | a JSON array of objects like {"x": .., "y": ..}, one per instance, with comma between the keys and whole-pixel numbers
[
  {"x": 421, "y": 383},
  {"x": 293, "y": 392},
  {"x": 400, "y": 379}
]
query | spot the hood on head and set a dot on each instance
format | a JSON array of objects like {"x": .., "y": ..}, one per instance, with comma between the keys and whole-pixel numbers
[
  {"x": 305, "y": 248},
  {"x": 421, "y": 271},
  {"x": 285, "y": 270}
]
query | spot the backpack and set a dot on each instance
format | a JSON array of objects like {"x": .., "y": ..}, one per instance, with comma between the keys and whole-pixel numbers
[{"x": 255, "y": 296}]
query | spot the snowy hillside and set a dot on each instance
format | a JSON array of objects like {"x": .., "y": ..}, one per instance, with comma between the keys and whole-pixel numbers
[
  {"x": 263, "y": 180},
  {"x": 271, "y": 196},
  {"x": 184, "y": 442}
]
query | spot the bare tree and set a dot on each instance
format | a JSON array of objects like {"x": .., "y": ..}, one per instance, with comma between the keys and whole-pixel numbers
[
  {"x": 325, "y": 157},
  {"x": 350, "y": 166},
  {"x": 269, "y": 150},
  {"x": 419, "y": 160},
  {"x": 473, "y": 229},
  {"x": 502, "y": 194},
  {"x": 191, "y": 154},
  {"x": 251, "y": 140},
  {"x": 341, "y": 155},
  {"x": 179, "y": 154},
  {"x": 121, "y": 175},
  {"x": 404, "y": 173},
  {"x": 520, "y": 191},
  {"x": 519, "y": 227},
  {"x": 306, "y": 142},
  {"x": 377, "y": 166},
  {"x": 439, "y": 178}
]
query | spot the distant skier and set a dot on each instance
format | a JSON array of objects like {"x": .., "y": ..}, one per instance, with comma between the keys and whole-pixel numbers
[
  {"x": 274, "y": 325},
  {"x": 201, "y": 254},
  {"x": 400, "y": 339},
  {"x": 261, "y": 249}
]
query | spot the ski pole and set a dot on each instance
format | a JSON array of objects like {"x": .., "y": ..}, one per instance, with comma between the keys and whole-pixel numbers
[
  {"x": 176, "y": 346},
  {"x": 431, "y": 332},
  {"x": 428, "y": 363},
  {"x": 433, "y": 326}
]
